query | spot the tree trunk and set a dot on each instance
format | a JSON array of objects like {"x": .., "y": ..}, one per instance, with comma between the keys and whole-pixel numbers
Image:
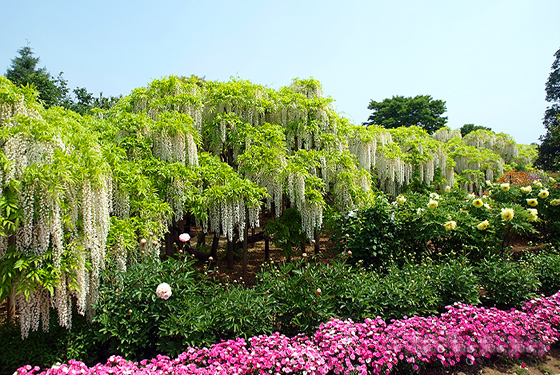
[
  {"x": 214, "y": 249},
  {"x": 11, "y": 308},
  {"x": 317, "y": 238},
  {"x": 266, "y": 249},
  {"x": 245, "y": 246},
  {"x": 229, "y": 256}
]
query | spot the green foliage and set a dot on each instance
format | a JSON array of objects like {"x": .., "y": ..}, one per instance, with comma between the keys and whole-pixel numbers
[
  {"x": 546, "y": 264},
  {"x": 128, "y": 310},
  {"x": 421, "y": 110},
  {"x": 44, "y": 349},
  {"x": 303, "y": 293},
  {"x": 507, "y": 283},
  {"x": 370, "y": 233},
  {"x": 549, "y": 149},
  {"x": 467, "y": 128},
  {"x": 286, "y": 231},
  {"x": 24, "y": 72}
]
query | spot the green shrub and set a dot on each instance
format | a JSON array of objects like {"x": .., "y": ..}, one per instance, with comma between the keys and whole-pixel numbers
[
  {"x": 507, "y": 283},
  {"x": 130, "y": 313},
  {"x": 455, "y": 280},
  {"x": 303, "y": 293},
  {"x": 407, "y": 291},
  {"x": 46, "y": 348},
  {"x": 547, "y": 266}
]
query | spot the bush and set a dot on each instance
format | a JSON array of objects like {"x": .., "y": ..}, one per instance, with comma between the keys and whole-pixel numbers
[
  {"x": 369, "y": 233},
  {"x": 46, "y": 348},
  {"x": 507, "y": 283},
  {"x": 303, "y": 293},
  {"x": 547, "y": 266}
]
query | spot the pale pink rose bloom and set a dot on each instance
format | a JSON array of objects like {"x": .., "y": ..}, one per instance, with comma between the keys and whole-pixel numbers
[
  {"x": 184, "y": 237},
  {"x": 163, "y": 291}
]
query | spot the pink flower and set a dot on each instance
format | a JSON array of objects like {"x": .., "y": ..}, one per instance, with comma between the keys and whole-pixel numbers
[
  {"x": 184, "y": 237},
  {"x": 163, "y": 291}
]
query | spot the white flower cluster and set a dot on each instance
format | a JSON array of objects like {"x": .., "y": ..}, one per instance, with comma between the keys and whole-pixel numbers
[{"x": 445, "y": 134}]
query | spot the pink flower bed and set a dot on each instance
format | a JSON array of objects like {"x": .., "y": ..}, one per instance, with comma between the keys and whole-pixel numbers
[{"x": 463, "y": 333}]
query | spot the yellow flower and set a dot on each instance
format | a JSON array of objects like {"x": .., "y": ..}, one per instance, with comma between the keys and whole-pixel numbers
[
  {"x": 432, "y": 203},
  {"x": 505, "y": 186},
  {"x": 533, "y": 202},
  {"x": 483, "y": 225},
  {"x": 487, "y": 206},
  {"x": 537, "y": 184},
  {"x": 450, "y": 225},
  {"x": 507, "y": 213},
  {"x": 551, "y": 180},
  {"x": 555, "y": 202},
  {"x": 478, "y": 203},
  {"x": 401, "y": 200},
  {"x": 434, "y": 195},
  {"x": 526, "y": 189},
  {"x": 448, "y": 189},
  {"x": 534, "y": 214},
  {"x": 544, "y": 193}
]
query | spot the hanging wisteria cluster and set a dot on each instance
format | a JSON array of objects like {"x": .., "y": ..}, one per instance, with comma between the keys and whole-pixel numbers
[{"x": 235, "y": 148}]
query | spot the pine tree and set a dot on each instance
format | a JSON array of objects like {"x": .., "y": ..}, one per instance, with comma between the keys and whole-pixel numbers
[{"x": 24, "y": 71}]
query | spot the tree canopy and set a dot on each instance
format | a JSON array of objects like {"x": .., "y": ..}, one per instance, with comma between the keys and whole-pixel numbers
[
  {"x": 53, "y": 91},
  {"x": 24, "y": 71},
  {"x": 421, "y": 110},
  {"x": 467, "y": 128},
  {"x": 83, "y": 193},
  {"x": 549, "y": 150}
]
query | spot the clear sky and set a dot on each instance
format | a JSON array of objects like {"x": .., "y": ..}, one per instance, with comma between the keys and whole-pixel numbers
[{"x": 488, "y": 60}]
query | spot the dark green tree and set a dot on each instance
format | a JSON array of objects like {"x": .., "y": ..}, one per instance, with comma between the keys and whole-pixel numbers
[
  {"x": 24, "y": 71},
  {"x": 467, "y": 128},
  {"x": 549, "y": 149},
  {"x": 421, "y": 110}
]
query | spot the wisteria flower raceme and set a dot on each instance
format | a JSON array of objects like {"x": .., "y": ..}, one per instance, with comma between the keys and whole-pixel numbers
[
  {"x": 450, "y": 225},
  {"x": 184, "y": 237},
  {"x": 526, "y": 189},
  {"x": 533, "y": 202},
  {"x": 505, "y": 186},
  {"x": 507, "y": 214},
  {"x": 478, "y": 203},
  {"x": 544, "y": 194},
  {"x": 163, "y": 291},
  {"x": 432, "y": 203},
  {"x": 483, "y": 225}
]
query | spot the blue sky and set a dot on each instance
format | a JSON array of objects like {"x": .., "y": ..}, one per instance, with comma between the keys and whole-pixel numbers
[{"x": 488, "y": 60}]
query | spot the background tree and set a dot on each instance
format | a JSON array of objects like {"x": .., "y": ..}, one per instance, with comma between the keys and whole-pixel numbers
[
  {"x": 53, "y": 91},
  {"x": 24, "y": 71},
  {"x": 421, "y": 110},
  {"x": 549, "y": 150},
  {"x": 467, "y": 128}
]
